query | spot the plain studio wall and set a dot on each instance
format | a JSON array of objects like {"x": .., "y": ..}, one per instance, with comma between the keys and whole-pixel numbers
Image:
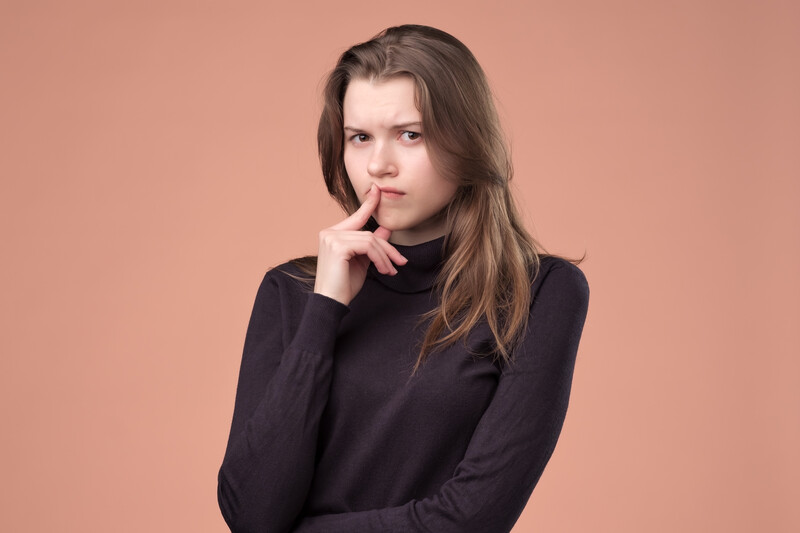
[{"x": 158, "y": 157}]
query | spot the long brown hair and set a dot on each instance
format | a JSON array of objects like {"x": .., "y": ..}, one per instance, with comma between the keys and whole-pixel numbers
[{"x": 489, "y": 257}]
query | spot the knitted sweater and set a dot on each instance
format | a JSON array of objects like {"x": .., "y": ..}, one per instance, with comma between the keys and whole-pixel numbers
[{"x": 332, "y": 433}]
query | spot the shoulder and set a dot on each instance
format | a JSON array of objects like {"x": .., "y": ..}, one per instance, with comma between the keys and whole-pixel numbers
[
  {"x": 560, "y": 279},
  {"x": 281, "y": 297},
  {"x": 286, "y": 278},
  {"x": 294, "y": 269},
  {"x": 563, "y": 268}
]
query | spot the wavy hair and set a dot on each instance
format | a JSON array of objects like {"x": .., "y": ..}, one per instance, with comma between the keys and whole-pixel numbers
[{"x": 490, "y": 259}]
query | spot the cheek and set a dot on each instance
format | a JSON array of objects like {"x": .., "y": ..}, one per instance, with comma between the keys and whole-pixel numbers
[
  {"x": 446, "y": 193},
  {"x": 441, "y": 189},
  {"x": 348, "y": 163},
  {"x": 354, "y": 162},
  {"x": 354, "y": 176}
]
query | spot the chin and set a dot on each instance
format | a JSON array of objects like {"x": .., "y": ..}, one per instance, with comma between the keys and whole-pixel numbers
[{"x": 388, "y": 223}]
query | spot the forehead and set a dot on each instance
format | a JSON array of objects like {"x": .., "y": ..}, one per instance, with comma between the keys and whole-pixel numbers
[{"x": 377, "y": 102}]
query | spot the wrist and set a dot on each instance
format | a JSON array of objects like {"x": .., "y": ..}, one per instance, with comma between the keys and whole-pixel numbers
[{"x": 334, "y": 295}]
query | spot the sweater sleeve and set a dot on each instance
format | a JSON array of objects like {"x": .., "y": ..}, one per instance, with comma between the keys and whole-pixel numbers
[
  {"x": 513, "y": 440},
  {"x": 282, "y": 390}
]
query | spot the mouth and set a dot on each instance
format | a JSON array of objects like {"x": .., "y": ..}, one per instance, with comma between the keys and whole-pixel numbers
[{"x": 391, "y": 192}]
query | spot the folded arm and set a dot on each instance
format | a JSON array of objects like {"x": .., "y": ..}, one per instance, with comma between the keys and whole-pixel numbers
[{"x": 515, "y": 437}]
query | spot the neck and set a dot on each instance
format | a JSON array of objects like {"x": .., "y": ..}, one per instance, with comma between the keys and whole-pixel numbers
[{"x": 419, "y": 274}]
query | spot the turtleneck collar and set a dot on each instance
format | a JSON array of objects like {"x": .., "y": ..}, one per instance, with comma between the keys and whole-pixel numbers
[{"x": 418, "y": 275}]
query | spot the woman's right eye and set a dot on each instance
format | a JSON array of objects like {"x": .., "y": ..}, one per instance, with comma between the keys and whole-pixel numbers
[{"x": 359, "y": 138}]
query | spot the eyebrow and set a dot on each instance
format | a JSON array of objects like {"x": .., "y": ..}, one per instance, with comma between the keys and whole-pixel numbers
[{"x": 395, "y": 127}]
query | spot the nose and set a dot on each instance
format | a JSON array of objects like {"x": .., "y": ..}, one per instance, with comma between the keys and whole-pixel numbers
[{"x": 382, "y": 161}]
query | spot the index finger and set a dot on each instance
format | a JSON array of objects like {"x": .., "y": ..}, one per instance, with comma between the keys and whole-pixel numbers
[{"x": 357, "y": 220}]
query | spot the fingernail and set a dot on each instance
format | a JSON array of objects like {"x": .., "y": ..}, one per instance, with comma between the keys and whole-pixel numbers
[{"x": 394, "y": 271}]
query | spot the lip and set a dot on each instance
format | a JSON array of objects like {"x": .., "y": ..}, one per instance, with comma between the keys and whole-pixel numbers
[{"x": 391, "y": 192}]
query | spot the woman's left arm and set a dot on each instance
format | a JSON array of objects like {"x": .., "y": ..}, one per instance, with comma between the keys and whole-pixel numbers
[{"x": 513, "y": 440}]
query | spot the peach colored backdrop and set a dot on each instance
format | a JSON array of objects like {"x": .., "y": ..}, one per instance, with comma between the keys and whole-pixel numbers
[{"x": 158, "y": 156}]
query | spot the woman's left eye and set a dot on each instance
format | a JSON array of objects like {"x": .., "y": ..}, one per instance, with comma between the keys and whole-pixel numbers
[{"x": 411, "y": 135}]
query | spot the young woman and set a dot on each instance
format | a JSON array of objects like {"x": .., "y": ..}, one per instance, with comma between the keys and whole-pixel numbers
[{"x": 415, "y": 374}]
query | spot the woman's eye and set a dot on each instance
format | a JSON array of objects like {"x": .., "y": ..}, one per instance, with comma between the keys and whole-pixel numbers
[
  {"x": 359, "y": 138},
  {"x": 411, "y": 135}
]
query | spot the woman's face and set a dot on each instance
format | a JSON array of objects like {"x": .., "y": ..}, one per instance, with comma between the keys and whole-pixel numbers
[{"x": 385, "y": 145}]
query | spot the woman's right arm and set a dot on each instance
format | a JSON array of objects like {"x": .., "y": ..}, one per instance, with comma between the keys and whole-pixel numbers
[
  {"x": 284, "y": 379},
  {"x": 282, "y": 391}
]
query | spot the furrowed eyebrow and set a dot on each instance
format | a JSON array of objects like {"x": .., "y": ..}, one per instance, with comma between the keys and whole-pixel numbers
[
  {"x": 407, "y": 125},
  {"x": 395, "y": 127}
]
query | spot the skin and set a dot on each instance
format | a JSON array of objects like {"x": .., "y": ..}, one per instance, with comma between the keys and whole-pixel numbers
[
  {"x": 345, "y": 253},
  {"x": 389, "y": 168},
  {"x": 385, "y": 146}
]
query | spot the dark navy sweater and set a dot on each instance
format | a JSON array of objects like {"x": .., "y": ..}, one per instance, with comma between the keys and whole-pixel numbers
[{"x": 332, "y": 433}]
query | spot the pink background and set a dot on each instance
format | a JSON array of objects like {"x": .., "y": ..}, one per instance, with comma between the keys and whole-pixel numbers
[{"x": 159, "y": 156}]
